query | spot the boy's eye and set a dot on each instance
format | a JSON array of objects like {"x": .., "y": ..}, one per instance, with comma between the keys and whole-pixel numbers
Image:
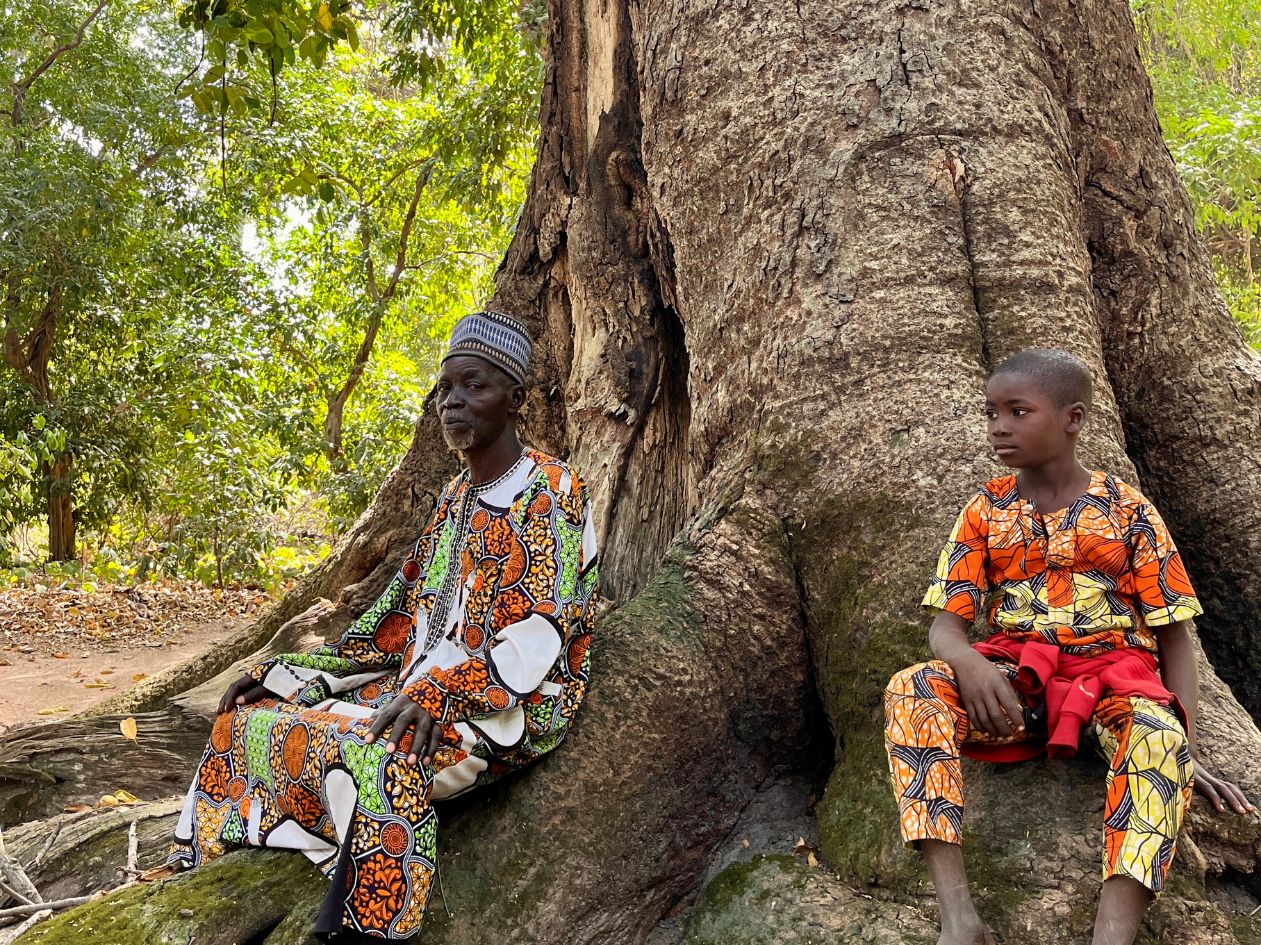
[
  {"x": 1019, "y": 411},
  {"x": 991, "y": 414}
]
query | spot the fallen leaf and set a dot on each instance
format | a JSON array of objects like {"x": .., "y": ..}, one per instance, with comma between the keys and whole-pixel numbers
[
  {"x": 128, "y": 728},
  {"x": 61, "y": 656},
  {"x": 55, "y": 710},
  {"x": 107, "y": 800},
  {"x": 76, "y": 808},
  {"x": 126, "y": 797},
  {"x": 811, "y": 859},
  {"x": 136, "y": 677},
  {"x": 745, "y": 843},
  {"x": 106, "y": 672}
]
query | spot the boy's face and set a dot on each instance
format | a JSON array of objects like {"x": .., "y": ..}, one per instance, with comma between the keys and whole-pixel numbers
[{"x": 1025, "y": 426}]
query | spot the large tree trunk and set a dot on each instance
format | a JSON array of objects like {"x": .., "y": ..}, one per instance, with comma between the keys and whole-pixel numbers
[{"x": 769, "y": 253}]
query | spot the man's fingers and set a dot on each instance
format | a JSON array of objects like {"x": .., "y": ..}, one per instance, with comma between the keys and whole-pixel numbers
[
  {"x": 381, "y": 720},
  {"x": 431, "y": 747},
  {"x": 422, "y": 725},
  {"x": 403, "y": 723},
  {"x": 229, "y": 697}
]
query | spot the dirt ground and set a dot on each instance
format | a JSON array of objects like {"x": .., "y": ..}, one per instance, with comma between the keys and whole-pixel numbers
[{"x": 65, "y": 649}]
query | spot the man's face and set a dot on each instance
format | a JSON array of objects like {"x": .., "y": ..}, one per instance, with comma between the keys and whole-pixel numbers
[
  {"x": 475, "y": 402},
  {"x": 1025, "y": 426}
]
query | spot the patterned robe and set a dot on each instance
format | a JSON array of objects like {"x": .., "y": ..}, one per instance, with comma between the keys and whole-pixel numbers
[{"x": 487, "y": 625}]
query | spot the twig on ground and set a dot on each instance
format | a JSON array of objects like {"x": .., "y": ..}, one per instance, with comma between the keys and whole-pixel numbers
[
  {"x": 442, "y": 890},
  {"x": 15, "y": 877},
  {"x": 133, "y": 848},
  {"x": 43, "y": 851},
  {"x": 40, "y": 906},
  {"x": 12, "y": 935},
  {"x": 14, "y": 894}
]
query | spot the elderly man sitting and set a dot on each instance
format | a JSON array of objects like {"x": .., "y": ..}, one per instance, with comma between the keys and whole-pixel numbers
[{"x": 470, "y": 665}]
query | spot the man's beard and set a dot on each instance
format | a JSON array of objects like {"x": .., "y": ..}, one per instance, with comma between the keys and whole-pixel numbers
[{"x": 461, "y": 438}]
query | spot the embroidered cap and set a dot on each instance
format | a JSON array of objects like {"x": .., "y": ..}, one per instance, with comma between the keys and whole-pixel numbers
[{"x": 494, "y": 337}]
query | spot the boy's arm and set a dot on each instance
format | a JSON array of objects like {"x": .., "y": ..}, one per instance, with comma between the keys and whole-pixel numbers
[
  {"x": 987, "y": 696},
  {"x": 1181, "y": 677}
]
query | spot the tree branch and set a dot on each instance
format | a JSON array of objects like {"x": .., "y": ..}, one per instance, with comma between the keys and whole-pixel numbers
[
  {"x": 385, "y": 188},
  {"x": 400, "y": 261},
  {"x": 21, "y": 88}
]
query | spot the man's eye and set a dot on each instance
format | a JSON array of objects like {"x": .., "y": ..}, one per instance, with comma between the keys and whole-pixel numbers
[
  {"x": 991, "y": 415},
  {"x": 1018, "y": 411}
]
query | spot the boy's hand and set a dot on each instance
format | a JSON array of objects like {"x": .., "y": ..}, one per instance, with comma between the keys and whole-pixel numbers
[
  {"x": 242, "y": 692},
  {"x": 987, "y": 696},
  {"x": 1221, "y": 794}
]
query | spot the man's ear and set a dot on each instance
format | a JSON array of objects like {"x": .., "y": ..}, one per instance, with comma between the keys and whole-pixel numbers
[
  {"x": 518, "y": 397},
  {"x": 1077, "y": 415}
]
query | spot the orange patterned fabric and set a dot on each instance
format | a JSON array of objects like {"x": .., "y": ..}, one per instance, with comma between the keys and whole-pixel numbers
[
  {"x": 488, "y": 625},
  {"x": 532, "y": 558},
  {"x": 1149, "y": 768},
  {"x": 1094, "y": 577}
]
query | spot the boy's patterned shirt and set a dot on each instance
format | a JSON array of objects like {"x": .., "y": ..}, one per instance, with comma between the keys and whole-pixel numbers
[{"x": 1094, "y": 577}]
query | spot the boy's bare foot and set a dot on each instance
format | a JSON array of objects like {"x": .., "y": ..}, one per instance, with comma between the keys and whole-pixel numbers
[{"x": 970, "y": 934}]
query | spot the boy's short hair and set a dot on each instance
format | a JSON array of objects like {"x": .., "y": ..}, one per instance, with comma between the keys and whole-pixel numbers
[{"x": 1062, "y": 376}]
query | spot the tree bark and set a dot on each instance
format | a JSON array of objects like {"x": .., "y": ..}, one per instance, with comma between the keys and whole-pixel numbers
[
  {"x": 61, "y": 523},
  {"x": 769, "y": 253}
]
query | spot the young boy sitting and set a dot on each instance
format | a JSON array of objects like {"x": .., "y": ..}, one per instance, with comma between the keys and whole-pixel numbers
[{"x": 1089, "y": 609}]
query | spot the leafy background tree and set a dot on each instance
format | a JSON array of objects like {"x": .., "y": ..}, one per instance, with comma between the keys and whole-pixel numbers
[
  {"x": 1204, "y": 57},
  {"x": 226, "y": 281}
]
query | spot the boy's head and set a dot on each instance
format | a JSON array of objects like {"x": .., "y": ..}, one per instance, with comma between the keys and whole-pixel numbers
[{"x": 1036, "y": 403}]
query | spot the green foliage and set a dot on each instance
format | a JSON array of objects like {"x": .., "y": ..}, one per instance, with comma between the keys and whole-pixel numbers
[
  {"x": 1204, "y": 58},
  {"x": 209, "y": 240}
]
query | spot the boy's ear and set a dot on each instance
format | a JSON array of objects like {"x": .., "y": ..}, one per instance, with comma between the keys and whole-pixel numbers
[{"x": 1077, "y": 414}]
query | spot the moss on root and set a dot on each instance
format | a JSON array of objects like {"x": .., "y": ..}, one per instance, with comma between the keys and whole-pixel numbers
[
  {"x": 859, "y": 641},
  {"x": 237, "y": 898}
]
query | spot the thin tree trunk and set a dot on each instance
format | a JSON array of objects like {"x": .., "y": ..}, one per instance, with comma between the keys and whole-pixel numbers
[{"x": 61, "y": 523}]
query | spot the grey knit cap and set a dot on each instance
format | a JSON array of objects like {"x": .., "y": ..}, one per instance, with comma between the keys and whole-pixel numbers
[{"x": 494, "y": 337}]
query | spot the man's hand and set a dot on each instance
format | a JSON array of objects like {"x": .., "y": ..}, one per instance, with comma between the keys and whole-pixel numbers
[
  {"x": 242, "y": 692},
  {"x": 401, "y": 716},
  {"x": 987, "y": 696},
  {"x": 1220, "y": 793}
]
